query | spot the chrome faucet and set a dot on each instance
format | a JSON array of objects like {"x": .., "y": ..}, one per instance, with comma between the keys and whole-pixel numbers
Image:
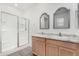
[
  {"x": 42, "y": 33},
  {"x": 60, "y": 34}
]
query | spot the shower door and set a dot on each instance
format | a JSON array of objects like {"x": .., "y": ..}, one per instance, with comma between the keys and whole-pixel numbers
[
  {"x": 9, "y": 31},
  {"x": 23, "y": 31},
  {"x": 0, "y": 34}
]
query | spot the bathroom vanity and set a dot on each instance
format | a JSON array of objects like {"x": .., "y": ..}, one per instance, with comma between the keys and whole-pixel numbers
[{"x": 43, "y": 45}]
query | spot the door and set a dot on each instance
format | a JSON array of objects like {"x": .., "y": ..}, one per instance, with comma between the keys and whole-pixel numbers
[
  {"x": 23, "y": 31},
  {"x": 66, "y": 52},
  {"x": 0, "y": 33},
  {"x": 51, "y": 50},
  {"x": 9, "y": 31}
]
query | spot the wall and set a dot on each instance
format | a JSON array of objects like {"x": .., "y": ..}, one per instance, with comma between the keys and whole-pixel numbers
[
  {"x": 10, "y": 9},
  {"x": 33, "y": 14}
]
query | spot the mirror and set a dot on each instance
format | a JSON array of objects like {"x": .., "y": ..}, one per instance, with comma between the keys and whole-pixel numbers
[
  {"x": 61, "y": 18},
  {"x": 44, "y": 21}
]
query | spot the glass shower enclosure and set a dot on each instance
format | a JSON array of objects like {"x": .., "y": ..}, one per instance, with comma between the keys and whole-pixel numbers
[{"x": 14, "y": 31}]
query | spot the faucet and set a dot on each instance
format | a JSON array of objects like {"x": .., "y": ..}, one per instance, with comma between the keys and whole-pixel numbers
[
  {"x": 60, "y": 34},
  {"x": 42, "y": 33}
]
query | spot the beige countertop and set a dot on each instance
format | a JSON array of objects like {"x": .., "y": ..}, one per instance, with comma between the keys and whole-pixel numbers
[{"x": 56, "y": 37}]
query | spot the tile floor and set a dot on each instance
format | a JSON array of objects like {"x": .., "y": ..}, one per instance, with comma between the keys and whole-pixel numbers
[{"x": 24, "y": 52}]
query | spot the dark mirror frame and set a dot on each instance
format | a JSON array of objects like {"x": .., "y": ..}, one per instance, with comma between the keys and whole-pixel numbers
[
  {"x": 61, "y": 13},
  {"x": 46, "y": 21}
]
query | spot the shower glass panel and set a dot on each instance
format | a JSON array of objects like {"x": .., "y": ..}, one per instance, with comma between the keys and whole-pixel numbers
[
  {"x": 9, "y": 31},
  {"x": 23, "y": 31},
  {"x": 0, "y": 34}
]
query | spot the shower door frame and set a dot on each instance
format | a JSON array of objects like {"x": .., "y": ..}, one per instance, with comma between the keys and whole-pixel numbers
[{"x": 18, "y": 44}]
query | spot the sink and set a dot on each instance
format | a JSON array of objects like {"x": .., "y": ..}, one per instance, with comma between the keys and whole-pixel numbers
[
  {"x": 71, "y": 38},
  {"x": 64, "y": 38}
]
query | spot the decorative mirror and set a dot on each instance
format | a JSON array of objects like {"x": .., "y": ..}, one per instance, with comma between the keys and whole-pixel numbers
[
  {"x": 61, "y": 18},
  {"x": 44, "y": 21}
]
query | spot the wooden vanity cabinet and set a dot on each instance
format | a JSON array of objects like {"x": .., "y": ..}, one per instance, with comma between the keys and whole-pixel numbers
[
  {"x": 52, "y": 47},
  {"x": 38, "y": 46}
]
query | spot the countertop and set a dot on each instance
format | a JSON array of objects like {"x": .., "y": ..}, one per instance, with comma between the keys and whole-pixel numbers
[{"x": 56, "y": 37}]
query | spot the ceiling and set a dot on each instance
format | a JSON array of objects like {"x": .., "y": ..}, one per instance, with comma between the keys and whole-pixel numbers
[{"x": 20, "y": 6}]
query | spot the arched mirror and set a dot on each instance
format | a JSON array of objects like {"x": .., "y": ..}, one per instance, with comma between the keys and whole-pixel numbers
[
  {"x": 44, "y": 21},
  {"x": 61, "y": 18}
]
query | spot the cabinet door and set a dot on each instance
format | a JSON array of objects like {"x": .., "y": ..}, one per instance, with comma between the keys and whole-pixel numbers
[
  {"x": 34, "y": 46},
  {"x": 66, "y": 52},
  {"x": 41, "y": 48},
  {"x": 38, "y": 46},
  {"x": 51, "y": 50}
]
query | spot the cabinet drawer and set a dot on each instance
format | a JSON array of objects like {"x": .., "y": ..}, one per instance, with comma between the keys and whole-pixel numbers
[
  {"x": 62, "y": 43},
  {"x": 70, "y": 45},
  {"x": 38, "y": 38},
  {"x": 66, "y": 52}
]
